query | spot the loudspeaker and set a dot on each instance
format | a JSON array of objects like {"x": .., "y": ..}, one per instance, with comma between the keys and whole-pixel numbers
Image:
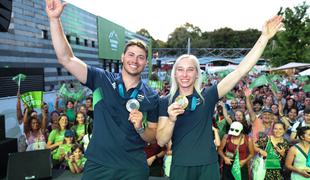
[
  {"x": 7, "y": 146},
  {"x": 5, "y": 14},
  {"x": 2, "y": 127},
  {"x": 30, "y": 165}
]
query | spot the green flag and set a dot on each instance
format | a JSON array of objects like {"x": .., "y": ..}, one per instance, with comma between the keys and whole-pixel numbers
[
  {"x": 75, "y": 94},
  {"x": 261, "y": 80},
  {"x": 18, "y": 78},
  {"x": 302, "y": 78},
  {"x": 156, "y": 84},
  {"x": 224, "y": 73},
  {"x": 307, "y": 88},
  {"x": 230, "y": 95},
  {"x": 272, "y": 159},
  {"x": 275, "y": 77},
  {"x": 236, "y": 169},
  {"x": 33, "y": 99}
]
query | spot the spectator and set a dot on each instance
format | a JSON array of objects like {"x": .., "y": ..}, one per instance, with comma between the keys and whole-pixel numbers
[
  {"x": 154, "y": 156},
  {"x": 76, "y": 160},
  {"x": 79, "y": 127},
  {"x": 280, "y": 146},
  {"x": 298, "y": 124},
  {"x": 235, "y": 141},
  {"x": 61, "y": 154},
  {"x": 35, "y": 131},
  {"x": 56, "y": 137},
  {"x": 296, "y": 160}
]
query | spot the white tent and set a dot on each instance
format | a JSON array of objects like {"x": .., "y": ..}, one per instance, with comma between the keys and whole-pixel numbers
[
  {"x": 305, "y": 73},
  {"x": 291, "y": 65}
]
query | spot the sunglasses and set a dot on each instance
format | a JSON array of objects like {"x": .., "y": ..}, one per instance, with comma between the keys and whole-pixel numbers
[{"x": 236, "y": 130}]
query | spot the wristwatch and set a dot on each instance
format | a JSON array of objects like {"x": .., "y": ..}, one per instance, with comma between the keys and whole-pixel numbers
[{"x": 140, "y": 130}]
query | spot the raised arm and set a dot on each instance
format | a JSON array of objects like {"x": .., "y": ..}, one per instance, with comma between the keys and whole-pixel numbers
[
  {"x": 225, "y": 113},
  {"x": 249, "y": 105},
  {"x": 269, "y": 30},
  {"x": 64, "y": 53},
  {"x": 43, "y": 120},
  {"x": 26, "y": 121},
  {"x": 19, "y": 113}
]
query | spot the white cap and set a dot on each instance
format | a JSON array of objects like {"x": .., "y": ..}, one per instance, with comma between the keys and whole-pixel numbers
[{"x": 235, "y": 128}]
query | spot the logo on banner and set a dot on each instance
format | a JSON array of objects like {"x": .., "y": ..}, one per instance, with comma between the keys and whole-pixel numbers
[{"x": 113, "y": 40}]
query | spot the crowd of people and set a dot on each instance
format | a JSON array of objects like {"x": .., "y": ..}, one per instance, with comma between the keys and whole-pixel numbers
[
  {"x": 185, "y": 129},
  {"x": 252, "y": 121}
]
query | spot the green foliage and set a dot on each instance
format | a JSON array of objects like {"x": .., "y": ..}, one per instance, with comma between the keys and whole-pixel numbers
[
  {"x": 155, "y": 43},
  {"x": 293, "y": 44}
]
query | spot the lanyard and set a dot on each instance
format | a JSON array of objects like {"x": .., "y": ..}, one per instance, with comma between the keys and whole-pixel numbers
[
  {"x": 194, "y": 103},
  {"x": 121, "y": 92}
]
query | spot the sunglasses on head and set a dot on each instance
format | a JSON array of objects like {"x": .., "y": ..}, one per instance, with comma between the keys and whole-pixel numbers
[{"x": 236, "y": 130}]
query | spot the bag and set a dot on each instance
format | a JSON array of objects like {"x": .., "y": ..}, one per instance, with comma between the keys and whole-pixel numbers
[{"x": 258, "y": 168}]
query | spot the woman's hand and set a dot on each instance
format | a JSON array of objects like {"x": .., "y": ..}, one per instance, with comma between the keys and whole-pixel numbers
[
  {"x": 227, "y": 160},
  {"x": 174, "y": 110},
  {"x": 272, "y": 26}
]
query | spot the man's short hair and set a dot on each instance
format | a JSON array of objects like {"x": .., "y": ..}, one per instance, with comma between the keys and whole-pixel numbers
[
  {"x": 258, "y": 101},
  {"x": 137, "y": 42}
]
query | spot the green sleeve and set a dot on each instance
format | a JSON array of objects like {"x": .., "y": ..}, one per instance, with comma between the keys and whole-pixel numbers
[{"x": 52, "y": 136}]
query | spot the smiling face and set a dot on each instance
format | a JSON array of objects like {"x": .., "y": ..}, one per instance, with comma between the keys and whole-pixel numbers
[
  {"x": 239, "y": 116},
  {"x": 77, "y": 153},
  {"x": 35, "y": 125},
  {"x": 63, "y": 122},
  {"x": 134, "y": 60},
  {"x": 278, "y": 130},
  {"x": 186, "y": 73},
  {"x": 80, "y": 118}
]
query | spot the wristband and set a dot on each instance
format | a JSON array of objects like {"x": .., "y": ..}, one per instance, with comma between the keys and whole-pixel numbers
[{"x": 140, "y": 130}]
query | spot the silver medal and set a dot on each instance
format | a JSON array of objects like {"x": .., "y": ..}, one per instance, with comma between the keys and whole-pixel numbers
[{"x": 132, "y": 104}]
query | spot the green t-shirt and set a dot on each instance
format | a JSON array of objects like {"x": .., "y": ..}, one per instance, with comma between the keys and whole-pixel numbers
[
  {"x": 56, "y": 136},
  {"x": 79, "y": 130},
  {"x": 81, "y": 162},
  {"x": 66, "y": 148},
  {"x": 71, "y": 115}
]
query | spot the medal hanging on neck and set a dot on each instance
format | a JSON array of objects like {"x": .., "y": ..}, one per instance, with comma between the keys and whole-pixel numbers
[{"x": 132, "y": 103}]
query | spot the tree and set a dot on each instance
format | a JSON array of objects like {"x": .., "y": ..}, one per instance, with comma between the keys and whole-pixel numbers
[
  {"x": 293, "y": 44},
  {"x": 179, "y": 37},
  {"x": 155, "y": 43}
]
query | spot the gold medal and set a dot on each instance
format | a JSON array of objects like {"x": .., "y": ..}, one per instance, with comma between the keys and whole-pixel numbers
[{"x": 182, "y": 101}]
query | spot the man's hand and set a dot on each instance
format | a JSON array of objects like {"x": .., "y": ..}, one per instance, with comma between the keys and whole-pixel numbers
[
  {"x": 54, "y": 8},
  {"x": 174, "y": 110},
  {"x": 135, "y": 117}
]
